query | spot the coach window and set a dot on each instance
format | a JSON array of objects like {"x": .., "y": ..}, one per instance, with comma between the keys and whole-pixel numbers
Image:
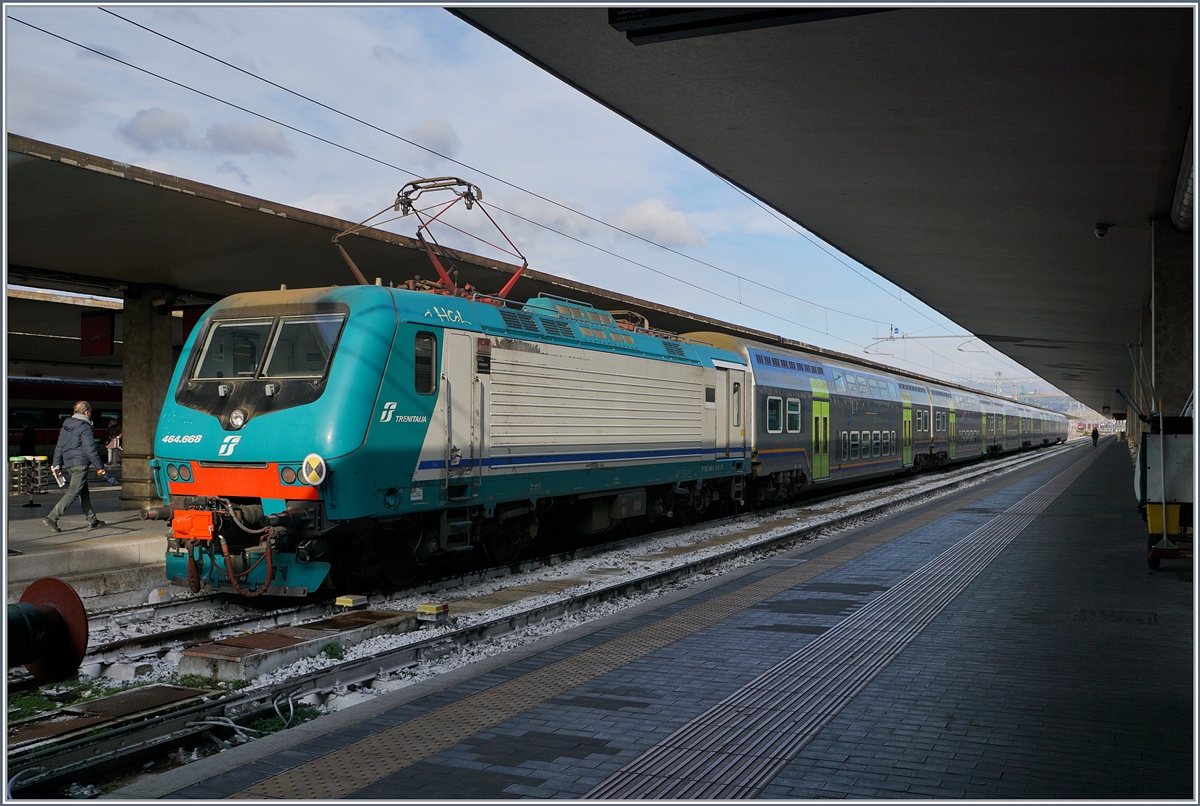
[
  {"x": 893, "y": 442},
  {"x": 793, "y": 415},
  {"x": 852, "y": 384},
  {"x": 862, "y": 386},
  {"x": 423, "y": 350},
  {"x": 774, "y": 415},
  {"x": 845, "y": 445},
  {"x": 887, "y": 444},
  {"x": 853, "y": 444},
  {"x": 875, "y": 443},
  {"x": 838, "y": 382},
  {"x": 874, "y": 387}
]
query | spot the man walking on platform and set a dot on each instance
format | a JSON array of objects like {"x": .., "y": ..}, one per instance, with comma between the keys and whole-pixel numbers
[{"x": 76, "y": 450}]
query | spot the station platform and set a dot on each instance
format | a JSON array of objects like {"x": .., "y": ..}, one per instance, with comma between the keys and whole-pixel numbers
[
  {"x": 1007, "y": 641},
  {"x": 122, "y": 556}
]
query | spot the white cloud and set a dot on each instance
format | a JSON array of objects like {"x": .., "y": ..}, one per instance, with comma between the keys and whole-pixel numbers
[
  {"x": 436, "y": 135},
  {"x": 654, "y": 219},
  {"x": 353, "y": 204},
  {"x": 247, "y": 137},
  {"x": 39, "y": 101},
  {"x": 550, "y": 215},
  {"x": 93, "y": 52},
  {"x": 389, "y": 55},
  {"x": 229, "y": 167},
  {"x": 154, "y": 129}
]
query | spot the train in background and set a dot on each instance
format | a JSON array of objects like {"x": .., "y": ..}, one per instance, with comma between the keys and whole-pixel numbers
[
  {"x": 45, "y": 402},
  {"x": 350, "y": 435}
]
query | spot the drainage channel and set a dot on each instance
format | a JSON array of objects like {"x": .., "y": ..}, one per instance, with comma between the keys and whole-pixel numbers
[{"x": 733, "y": 750}]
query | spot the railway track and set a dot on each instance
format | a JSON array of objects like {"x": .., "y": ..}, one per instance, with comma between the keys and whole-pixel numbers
[
  {"x": 156, "y": 633},
  {"x": 42, "y": 767}
]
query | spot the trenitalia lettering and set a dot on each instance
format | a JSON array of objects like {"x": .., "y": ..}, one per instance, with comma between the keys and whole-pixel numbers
[{"x": 388, "y": 415}]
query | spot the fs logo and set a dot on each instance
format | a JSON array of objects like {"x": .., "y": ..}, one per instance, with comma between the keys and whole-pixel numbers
[
  {"x": 388, "y": 410},
  {"x": 228, "y": 445}
]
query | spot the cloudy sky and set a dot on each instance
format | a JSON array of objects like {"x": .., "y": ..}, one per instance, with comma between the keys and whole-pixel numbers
[{"x": 421, "y": 75}]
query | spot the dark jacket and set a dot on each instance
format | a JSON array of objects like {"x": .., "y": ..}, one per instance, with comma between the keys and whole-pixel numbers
[{"x": 77, "y": 445}]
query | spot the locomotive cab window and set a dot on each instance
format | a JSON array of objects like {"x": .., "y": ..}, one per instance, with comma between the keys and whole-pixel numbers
[
  {"x": 424, "y": 348},
  {"x": 303, "y": 346},
  {"x": 233, "y": 349},
  {"x": 774, "y": 415}
]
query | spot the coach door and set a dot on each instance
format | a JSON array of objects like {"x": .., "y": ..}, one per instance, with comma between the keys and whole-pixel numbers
[
  {"x": 953, "y": 431},
  {"x": 820, "y": 439},
  {"x": 906, "y": 434},
  {"x": 459, "y": 400}
]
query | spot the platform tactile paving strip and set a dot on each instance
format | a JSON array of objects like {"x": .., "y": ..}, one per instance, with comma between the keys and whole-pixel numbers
[
  {"x": 342, "y": 772},
  {"x": 738, "y": 746}
]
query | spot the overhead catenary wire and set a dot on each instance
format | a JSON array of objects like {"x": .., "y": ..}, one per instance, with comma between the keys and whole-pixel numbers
[
  {"x": 501, "y": 180},
  {"x": 481, "y": 172},
  {"x": 551, "y": 229},
  {"x": 568, "y": 208},
  {"x": 385, "y": 163}
]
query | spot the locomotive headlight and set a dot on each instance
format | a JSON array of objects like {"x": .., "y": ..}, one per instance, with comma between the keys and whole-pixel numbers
[
  {"x": 313, "y": 471},
  {"x": 237, "y": 418}
]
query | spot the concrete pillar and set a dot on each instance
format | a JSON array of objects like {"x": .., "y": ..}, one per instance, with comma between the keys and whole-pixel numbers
[
  {"x": 148, "y": 363},
  {"x": 1166, "y": 327},
  {"x": 1173, "y": 287}
]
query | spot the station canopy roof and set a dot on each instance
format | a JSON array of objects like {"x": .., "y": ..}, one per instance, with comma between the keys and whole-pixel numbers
[{"x": 965, "y": 154}]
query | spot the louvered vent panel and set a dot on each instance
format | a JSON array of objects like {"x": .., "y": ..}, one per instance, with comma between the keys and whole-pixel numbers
[
  {"x": 519, "y": 320},
  {"x": 674, "y": 349},
  {"x": 556, "y": 327}
]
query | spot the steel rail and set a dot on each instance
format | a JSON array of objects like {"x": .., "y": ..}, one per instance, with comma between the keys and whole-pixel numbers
[{"x": 153, "y": 644}]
